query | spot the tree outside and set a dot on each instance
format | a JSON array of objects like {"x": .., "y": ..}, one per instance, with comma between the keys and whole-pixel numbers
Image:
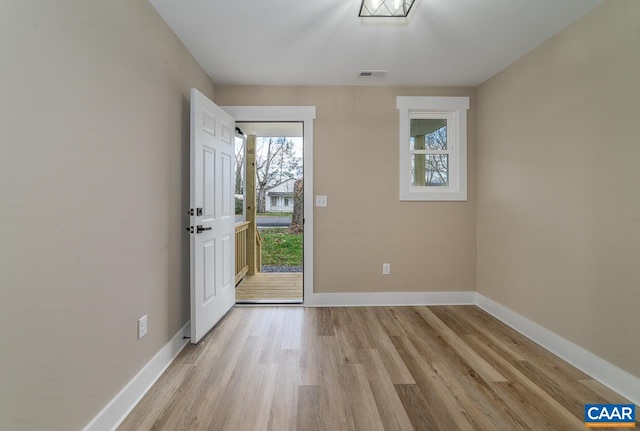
[
  {"x": 276, "y": 163},
  {"x": 278, "y": 160},
  {"x": 297, "y": 218}
]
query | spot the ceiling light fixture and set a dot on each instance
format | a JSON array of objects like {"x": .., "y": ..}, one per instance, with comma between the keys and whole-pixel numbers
[{"x": 385, "y": 8}]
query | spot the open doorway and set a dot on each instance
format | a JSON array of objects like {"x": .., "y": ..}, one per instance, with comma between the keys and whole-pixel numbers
[{"x": 269, "y": 212}]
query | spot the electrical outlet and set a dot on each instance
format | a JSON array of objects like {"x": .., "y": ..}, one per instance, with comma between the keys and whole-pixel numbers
[
  {"x": 386, "y": 268},
  {"x": 321, "y": 200},
  {"x": 142, "y": 326}
]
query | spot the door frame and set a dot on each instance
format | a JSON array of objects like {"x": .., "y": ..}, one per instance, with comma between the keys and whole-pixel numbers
[{"x": 283, "y": 114}]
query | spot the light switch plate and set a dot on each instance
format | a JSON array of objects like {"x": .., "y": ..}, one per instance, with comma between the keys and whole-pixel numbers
[{"x": 321, "y": 200}]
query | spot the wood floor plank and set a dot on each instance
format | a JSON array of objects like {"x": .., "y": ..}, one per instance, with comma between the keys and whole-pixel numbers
[
  {"x": 603, "y": 391},
  {"x": 549, "y": 408},
  {"x": 309, "y": 414},
  {"x": 389, "y": 405},
  {"x": 390, "y": 321},
  {"x": 443, "y": 410},
  {"x": 433, "y": 349},
  {"x": 284, "y": 406},
  {"x": 271, "y": 347},
  {"x": 224, "y": 359},
  {"x": 325, "y": 322},
  {"x": 180, "y": 415},
  {"x": 292, "y": 320},
  {"x": 188, "y": 409},
  {"x": 418, "y": 409},
  {"x": 159, "y": 399},
  {"x": 334, "y": 394},
  {"x": 248, "y": 384},
  {"x": 564, "y": 390},
  {"x": 393, "y": 364},
  {"x": 362, "y": 403},
  {"x": 484, "y": 409},
  {"x": 456, "y": 318},
  {"x": 482, "y": 367},
  {"x": 371, "y": 368},
  {"x": 520, "y": 343},
  {"x": 348, "y": 339},
  {"x": 310, "y": 373}
]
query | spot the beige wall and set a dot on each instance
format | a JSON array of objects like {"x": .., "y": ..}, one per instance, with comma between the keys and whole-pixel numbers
[
  {"x": 558, "y": 178},
  {"x": 94, "y": 119},
  {"x": 430, "y": 245}
]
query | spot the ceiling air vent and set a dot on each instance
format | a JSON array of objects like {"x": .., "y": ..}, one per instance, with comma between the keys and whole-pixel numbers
[{"x": 373, "y": 74}]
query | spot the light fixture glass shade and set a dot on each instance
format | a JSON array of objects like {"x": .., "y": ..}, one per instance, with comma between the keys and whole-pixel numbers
[{"x": 385, "y": 8}]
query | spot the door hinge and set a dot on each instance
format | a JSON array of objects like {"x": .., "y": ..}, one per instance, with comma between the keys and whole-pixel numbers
[
  {"x": 190, "y": 212},
  {"x": 190, "y": 229}
]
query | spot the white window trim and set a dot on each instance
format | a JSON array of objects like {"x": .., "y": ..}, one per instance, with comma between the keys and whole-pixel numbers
[{"x": 454, "y": 109}]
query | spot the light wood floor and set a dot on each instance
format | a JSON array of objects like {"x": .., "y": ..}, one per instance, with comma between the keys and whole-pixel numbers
[
  {"x": 370, "y": 368},
  {"x": 272, "y": 287}
]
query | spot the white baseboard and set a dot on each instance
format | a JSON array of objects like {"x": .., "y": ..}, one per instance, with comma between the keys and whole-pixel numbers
[
  {"x": 120, "y": 406},
  {"x": 389, "y": 298},
  {"x": 606, "y": 373}
]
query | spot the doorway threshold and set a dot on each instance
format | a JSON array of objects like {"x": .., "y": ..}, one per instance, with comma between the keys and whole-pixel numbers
[{"x": 269, "y": 302}]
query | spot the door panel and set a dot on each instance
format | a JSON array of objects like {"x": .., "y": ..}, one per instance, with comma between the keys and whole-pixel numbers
[
  {"x": 209, "y": 264},
  {"x": 227, "y": 174},
  {"x": 208, "y": 184},
  {"x": 226, "y": 257}
]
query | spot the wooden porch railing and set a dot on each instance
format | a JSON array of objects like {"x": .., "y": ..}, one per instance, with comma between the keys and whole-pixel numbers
[
  {"x": 242, "y": 266},
  {"x": 243, "y": 262}
]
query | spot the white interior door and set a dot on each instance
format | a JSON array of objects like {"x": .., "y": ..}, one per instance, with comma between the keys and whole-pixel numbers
[{"x": 212, "y": 214}]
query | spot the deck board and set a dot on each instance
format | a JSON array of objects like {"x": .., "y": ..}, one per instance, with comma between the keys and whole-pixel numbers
[{"x": 270, "y": 287}]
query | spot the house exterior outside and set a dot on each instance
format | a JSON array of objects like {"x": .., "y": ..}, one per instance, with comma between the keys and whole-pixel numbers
[{"x": 280, "y": 198}]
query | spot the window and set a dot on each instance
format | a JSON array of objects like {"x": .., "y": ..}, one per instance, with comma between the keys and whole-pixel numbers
[
  {"x": 274, "y": 201},
  {"x": 433, "y": 148},
  {"x": 286, "y": 202}
]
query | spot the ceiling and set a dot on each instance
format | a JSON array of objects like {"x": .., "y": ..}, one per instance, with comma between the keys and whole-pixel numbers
[{"x": 324, "y": 42}]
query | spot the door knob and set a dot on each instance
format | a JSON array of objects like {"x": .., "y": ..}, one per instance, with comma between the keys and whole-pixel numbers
[{"x": 200, "y": 229}]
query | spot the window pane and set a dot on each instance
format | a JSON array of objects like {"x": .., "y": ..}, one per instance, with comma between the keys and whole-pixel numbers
[
  {"x": 428, "y": 134},
  {"x": 430, "y": 170}
]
